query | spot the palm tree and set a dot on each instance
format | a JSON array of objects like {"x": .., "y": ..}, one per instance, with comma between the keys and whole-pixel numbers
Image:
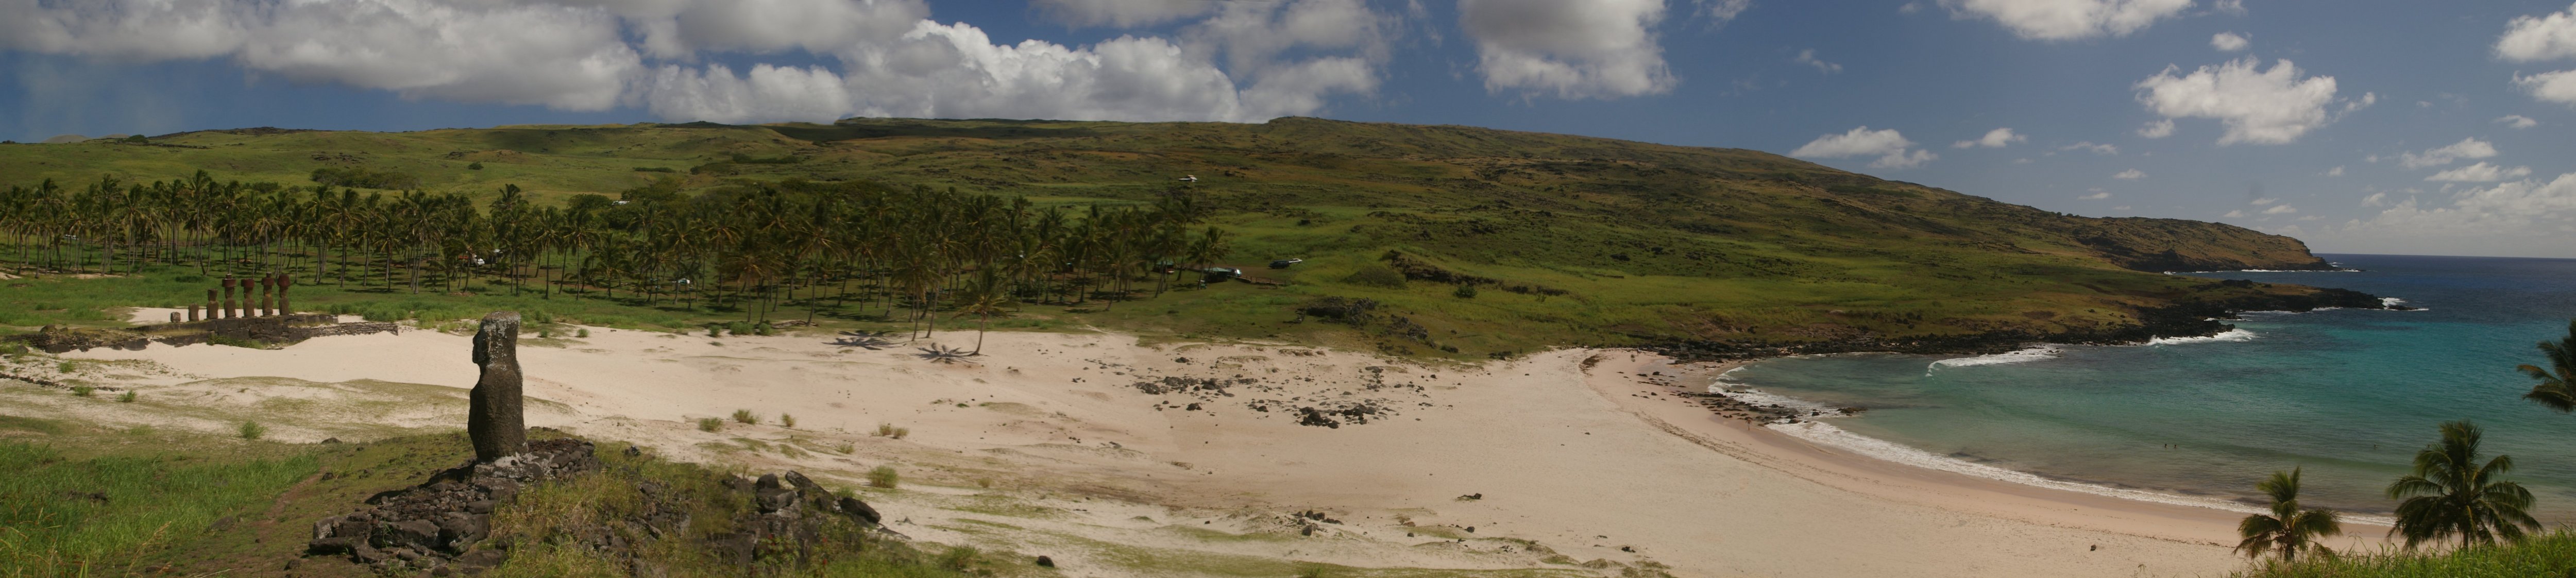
[
  {"x": 2288, "y": 529},
  {"x": 984, "y": 298},
  {"x": 2454, "y": 495},
  {"x": 2557, "y": 388}
]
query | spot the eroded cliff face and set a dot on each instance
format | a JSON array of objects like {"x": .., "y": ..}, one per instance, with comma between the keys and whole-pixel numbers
[{"x": 2178, "y": 245}]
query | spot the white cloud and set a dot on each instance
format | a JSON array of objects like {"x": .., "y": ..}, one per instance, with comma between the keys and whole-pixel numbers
[
  {"x": 2228, "y": 42},
  {"x": 2130, "y": 175},
  {"x": 2069, "y": 19},
  {"x": 1996, "y": 138},
  {"x": 2542, "y": 37},
  {"x": 2467, "y": 148},
  {"x": 2236, "y": 214},
  {"x": 2559, "y": 87},
  {"x": 2335, "y": 172},
  {"x": 1808, "y": 57},
  {"x": 2262, "y": 201},
  {"x": 1244, "y": 62},
  {"x": 2273, "y": 106},
  {"x": 2480, "y": 173},
  {"x": 1122, "y": 13},
  {"x": 2232, "y": 7},
  {"x": 2160, "y": 128},
  {"x": 1888, "y": 145},
  {"x": 1721, "y": 11},
  {"x": 2280, "y": 209},
  {"x": 2526, "y": 217},
  {"x": 1572, "y": 50},
  {"x": 2099, "y": 149},
  {"x": 2022, "y": 161},
  {"x": 2098, "y": 194},
  {"x": 2517, "y": 122}
]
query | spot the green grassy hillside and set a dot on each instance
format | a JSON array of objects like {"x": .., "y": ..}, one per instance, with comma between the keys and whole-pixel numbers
[{"x": 1571, "y": 240}]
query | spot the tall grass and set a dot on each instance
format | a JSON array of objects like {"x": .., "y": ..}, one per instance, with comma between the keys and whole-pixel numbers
[
  {"x": 2552, "y": 554},
  {"x": 105, "y": 516}
]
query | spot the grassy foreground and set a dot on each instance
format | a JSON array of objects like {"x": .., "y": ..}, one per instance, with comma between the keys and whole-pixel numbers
[
  {"x": 83, "y": 501},
  {"x": 2547, "y": 555}
]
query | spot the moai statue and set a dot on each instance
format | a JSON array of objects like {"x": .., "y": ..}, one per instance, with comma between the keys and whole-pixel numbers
[
  {"x": 266, "y": 283},
  {"x": 493, "y": 415},
  {"x": 211, "y": 311},
  {"x": 232, "y": 309},
  {"x": 174, "y": 317},
  {"x": 284, "y": 281},
  {"x": 192, "y": 312}
]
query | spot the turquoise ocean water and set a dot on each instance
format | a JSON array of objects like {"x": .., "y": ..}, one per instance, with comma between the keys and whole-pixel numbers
[{"x": 2348, "y": 394}]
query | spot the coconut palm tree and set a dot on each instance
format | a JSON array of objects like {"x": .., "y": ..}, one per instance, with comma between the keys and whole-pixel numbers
[
  {"x": 2557, "y": 388},
  {"x": 2452, "y": 495},
  {"x": 2289, "y": 529},
  {"x": 985, "y": 298}
]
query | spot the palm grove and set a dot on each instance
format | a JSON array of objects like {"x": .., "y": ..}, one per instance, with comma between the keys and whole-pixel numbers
[
  {"x": 746, "y": 246},
  {"x": 2449, "y": 493}
]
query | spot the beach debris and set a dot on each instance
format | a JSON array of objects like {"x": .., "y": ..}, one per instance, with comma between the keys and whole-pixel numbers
[
  {"x": 1472, "y": 497},
  {"x": 494, "y": 415}
]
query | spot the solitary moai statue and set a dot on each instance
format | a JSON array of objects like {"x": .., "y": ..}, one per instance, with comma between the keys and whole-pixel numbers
[
  {"x": 231, "y": 308},
  {"x": 493, "y": 415},
  {"x": 284, "y": 281}
]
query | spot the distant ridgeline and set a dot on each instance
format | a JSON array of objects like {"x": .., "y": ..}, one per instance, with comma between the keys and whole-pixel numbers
[{"x": 1579, "y": 241}]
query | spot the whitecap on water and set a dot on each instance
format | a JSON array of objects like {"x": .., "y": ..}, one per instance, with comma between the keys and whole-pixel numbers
[
  {"x": 2229, "y": 335},
  {"x": 2040, "y": 353}
]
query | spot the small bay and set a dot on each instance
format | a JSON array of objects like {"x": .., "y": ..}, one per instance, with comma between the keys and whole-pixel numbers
[{"x": 2348, "y": 394}]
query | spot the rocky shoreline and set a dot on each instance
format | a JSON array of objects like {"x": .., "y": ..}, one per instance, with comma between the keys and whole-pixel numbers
[{"x": 2194, "y": 318}]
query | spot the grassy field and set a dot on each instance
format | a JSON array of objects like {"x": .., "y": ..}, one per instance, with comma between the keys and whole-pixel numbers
[
  {"x": 1569, "y": 240},
  {"x": 85, "y": 501},
  {"x": 2552, "y": 554}
]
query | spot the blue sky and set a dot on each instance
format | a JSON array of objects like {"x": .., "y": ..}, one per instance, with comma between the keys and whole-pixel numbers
[{"x": 2394, "y": 126}]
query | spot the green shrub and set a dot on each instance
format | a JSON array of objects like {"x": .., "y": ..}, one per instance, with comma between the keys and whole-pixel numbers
[
  {"x": 127, "y": 397},
  {"x": 251, "y": 430},
  {"x": 82, "y": 390},
  {"x": 745, "y": 416},
  {"x": 581, "y": 333},
  {"x": 709, "y": 424},
  {"x": 474, "y": 166},
  {"x": 2551, "y": 554},
  {"x": 1467, "y": 291},
  {"x": 883, "y": 477},
  {"x": 1376, "y": 276},
  {"x": 787, "y": 421},
  {"x": 66, "y": 367}
]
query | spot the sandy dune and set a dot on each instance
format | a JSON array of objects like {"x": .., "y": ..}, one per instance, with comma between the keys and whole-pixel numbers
[{"x": 1046, "y": 444}]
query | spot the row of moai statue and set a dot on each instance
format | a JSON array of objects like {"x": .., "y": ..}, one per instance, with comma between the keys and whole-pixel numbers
[{"x": 272, "y": 299}]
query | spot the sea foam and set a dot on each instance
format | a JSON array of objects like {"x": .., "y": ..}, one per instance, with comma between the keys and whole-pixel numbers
[
  {"x": 2040, "y": 353},
  {"x": 2229, "y": 335}
]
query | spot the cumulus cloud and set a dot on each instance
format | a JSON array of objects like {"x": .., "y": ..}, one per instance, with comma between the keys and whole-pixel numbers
[
  {"x": 2130, "y": 175},
  {"x": 2273, "y": 106},
  {"x": 2228, "y": 42},
  {"x": 2235, "y": 214},
  {"x": 2517, "y": 122},
  {"x": 2069, "y": 19},
  {"x": 2542, "y": 37},
  {"x": 2099, "y": 149},
  {"x": 1888, "y": 145},
  {"x": 1996, "y": 138},
  {"x": 2523, "y": 217},
  {"x": 1244, "y": 62},
  {"x": 1808, "y": 57},
  {"x": 2335, "y": 172},
  {"x": 2480, "y": 173},
  {"x": 2280, "y": 209},
  {"x": 2160, "y": 128},
  {"x": 2378, "y": 199},
  {"x": 1122, "y": 13},
  {"x": 2559, "y": 87},
  {"x": 1571, "y": 50},
  {"x": 2098, "y": 194},
  {"x": 2467, "y": 148}
]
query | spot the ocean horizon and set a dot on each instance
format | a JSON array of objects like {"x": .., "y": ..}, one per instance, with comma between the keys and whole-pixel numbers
[{"x": 2348, "y": 394}]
